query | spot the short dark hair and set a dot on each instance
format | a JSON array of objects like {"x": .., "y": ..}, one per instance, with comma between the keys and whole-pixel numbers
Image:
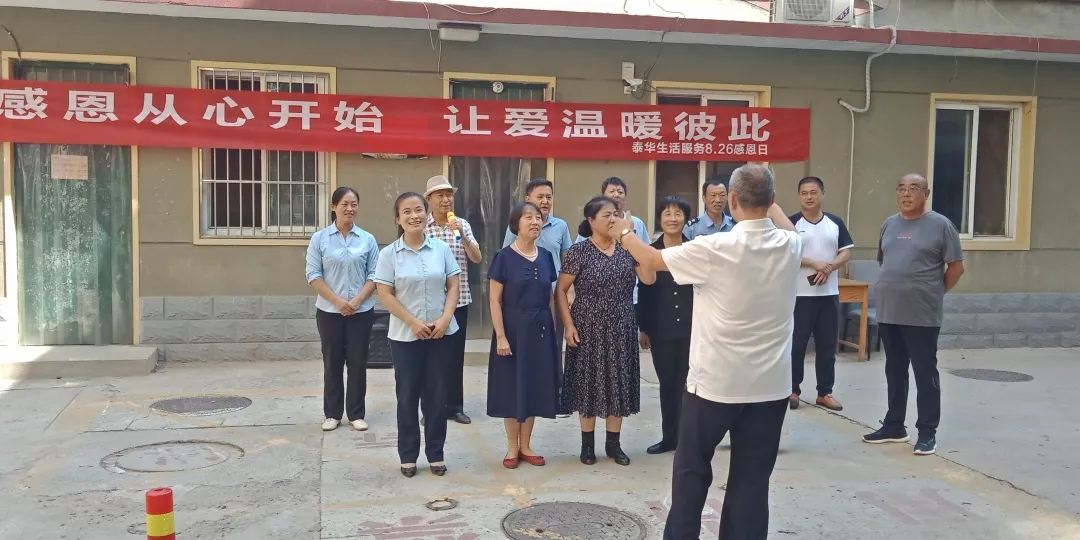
[
  {"x": 517, "y": 211},
  {"x": 712, "y": 182},
  {"x": 677, "y": 202},
  {"x": 537, "y": 183},
  {"x": 614, "y": 180},
  {"x": 811, "y": 179},
  {"x": 753, "y": 186},
  {"x": 593, "y": 207}
]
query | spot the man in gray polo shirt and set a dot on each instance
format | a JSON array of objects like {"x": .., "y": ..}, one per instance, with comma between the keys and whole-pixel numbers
[{"x": 920, "y": 257}]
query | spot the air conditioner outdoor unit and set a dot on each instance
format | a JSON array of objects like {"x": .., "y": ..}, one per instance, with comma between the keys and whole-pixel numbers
[{"x": 826, "y": 12}]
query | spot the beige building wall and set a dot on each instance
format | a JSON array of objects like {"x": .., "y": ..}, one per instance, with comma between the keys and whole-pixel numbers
[{"x": 891, "y": 138}]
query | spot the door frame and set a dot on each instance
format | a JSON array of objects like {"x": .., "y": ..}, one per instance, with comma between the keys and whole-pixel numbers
[
  {"x": 762, "y": 98},
  {"x": 11, "y": 261},
  {"x": 448, "y": 77}
]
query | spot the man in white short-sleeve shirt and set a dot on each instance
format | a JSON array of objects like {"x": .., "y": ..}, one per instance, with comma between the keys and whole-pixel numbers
[
  {"x": 745, "y": 283},
  {"x": 826, "y": 247}
]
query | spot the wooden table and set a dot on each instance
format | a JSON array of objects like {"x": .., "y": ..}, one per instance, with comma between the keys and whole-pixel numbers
[{"x": 857, "y": 292}]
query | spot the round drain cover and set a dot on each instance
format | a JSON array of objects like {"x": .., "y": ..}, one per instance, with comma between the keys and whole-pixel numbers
[
  {"x": 171, "y": 456},
  {"x": 995, "y": 375},
  {"x": 572, "y": 520},
  {"x": 201, "y": 405}
]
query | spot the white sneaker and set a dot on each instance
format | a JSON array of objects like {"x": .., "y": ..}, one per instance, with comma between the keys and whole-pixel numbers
[
  {"x": 330, "y": 424},
  {"x": 359, "y": 425}
]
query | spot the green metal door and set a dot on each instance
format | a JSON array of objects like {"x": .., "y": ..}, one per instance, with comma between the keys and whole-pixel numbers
[{"x": 73, "y": 230}]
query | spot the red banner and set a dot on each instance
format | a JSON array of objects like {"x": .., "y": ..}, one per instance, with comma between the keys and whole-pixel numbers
[{"x": 67, "y": 113}]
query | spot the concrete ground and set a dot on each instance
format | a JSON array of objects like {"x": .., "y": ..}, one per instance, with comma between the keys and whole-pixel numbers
[{"x": 1006, "y": 468}]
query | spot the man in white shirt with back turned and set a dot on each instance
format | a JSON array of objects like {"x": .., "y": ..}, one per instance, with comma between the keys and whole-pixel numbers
[{"x": 745, "y": 283}]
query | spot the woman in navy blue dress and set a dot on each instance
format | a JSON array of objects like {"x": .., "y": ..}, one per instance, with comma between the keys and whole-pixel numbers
[{"x": 523, "y": 370}]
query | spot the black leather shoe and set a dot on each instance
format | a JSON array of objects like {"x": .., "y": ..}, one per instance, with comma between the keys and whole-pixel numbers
[
  {"x": 660, "y": 448},
  {"x": 616, "y": 453},
  {"x": 408, "y": 472},
  {"x": 461, "y": 418},
  {"x": 588, "y": 455},
  {"x": 438, "y": 470}
]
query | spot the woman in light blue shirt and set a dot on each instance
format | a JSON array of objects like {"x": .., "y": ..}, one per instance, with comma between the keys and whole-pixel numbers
[
  {"x": 417, "y": 282},
  {"x": 340, "y": 267}
]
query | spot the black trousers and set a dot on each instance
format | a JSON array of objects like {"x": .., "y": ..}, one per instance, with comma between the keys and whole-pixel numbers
[
  {"x": 560, "y": 342},
  {"x": 671, "y": 359},
  {"x": 420, "y": 380},
  {"x": 455, "y": 397},
  {"x": 755, "y": 441},
  {"x": 344, "y": 345},
  {"x": 817, "y": 316},
  {"x": 915, "y": 346}
]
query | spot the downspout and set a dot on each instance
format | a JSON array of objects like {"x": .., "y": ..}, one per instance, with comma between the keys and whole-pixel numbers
[{"x": 853, "y": 109}]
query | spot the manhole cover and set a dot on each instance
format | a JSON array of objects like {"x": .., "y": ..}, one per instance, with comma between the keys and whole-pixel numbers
[
  {"x": 201, "y": 405},
  {"x": 171, "y": 456},
  {"x": 571, "y": 520},
  {"x": 995, "y": 375}
]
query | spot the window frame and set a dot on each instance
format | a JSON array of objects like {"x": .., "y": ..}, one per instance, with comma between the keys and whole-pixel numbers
[
  {"x": 325, "y": 79},
  {"x": 756, "y": 96},
  {"x": 1020, "y": 174}
]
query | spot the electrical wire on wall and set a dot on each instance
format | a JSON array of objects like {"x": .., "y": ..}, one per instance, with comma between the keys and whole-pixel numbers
[
  {"x": 1020, "y": 31},
  {"x": 853, "y": 109},
  {"x": 18, "y": 48},
  {"x": 431, "y": 33},
  {"x": 646, "y": 76},
  {"x": 892, "y": 42}
]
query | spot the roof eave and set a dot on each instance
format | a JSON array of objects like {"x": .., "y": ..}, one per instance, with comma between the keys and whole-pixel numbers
[{"x": 615, "y": 26}]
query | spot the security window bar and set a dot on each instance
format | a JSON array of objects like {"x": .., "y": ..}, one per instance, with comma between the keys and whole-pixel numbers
[
  {"x": 263, "y": 193},
  {"x": 975, "y": 167}
]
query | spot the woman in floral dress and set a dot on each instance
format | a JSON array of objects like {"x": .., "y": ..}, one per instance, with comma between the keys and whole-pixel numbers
[{"x": 602, "y": 367}]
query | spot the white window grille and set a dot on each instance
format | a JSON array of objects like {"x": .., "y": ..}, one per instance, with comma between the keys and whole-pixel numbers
[
  {"x": 975, "y": 167},
  {"x": 248, "y": 193}
]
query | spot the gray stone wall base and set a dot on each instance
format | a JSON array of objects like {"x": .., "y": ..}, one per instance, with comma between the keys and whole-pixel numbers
[
  {"x": 242, "y": 352},
  {"x": 981, "y": 321},
  {"x": 257, "y": 328},
  {"x": 231, "y": 328}
]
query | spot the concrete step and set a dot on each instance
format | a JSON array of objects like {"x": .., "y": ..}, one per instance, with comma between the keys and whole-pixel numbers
[
  {"x": 19, "y": 362},
  {"x": 476, "y": 352}
]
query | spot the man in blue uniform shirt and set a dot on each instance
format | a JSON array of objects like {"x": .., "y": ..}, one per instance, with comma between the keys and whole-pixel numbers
[{"x": 713, "y": 219}]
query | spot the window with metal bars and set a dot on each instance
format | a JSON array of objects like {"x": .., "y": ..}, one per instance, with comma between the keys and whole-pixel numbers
[{"x": 248, "y": 193}]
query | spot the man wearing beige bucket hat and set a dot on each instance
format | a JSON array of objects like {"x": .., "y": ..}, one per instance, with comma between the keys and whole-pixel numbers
[{"x": 458, "y": 234}]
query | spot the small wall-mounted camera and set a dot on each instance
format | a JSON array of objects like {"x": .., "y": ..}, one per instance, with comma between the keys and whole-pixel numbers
[{"x": 633, "y": 85}]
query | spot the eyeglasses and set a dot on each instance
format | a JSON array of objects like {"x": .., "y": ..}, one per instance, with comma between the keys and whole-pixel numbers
[{"x": 906, "y": 190}]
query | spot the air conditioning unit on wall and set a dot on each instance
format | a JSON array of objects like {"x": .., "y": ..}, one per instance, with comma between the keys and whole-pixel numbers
[{"x": 824, "y": 12}]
